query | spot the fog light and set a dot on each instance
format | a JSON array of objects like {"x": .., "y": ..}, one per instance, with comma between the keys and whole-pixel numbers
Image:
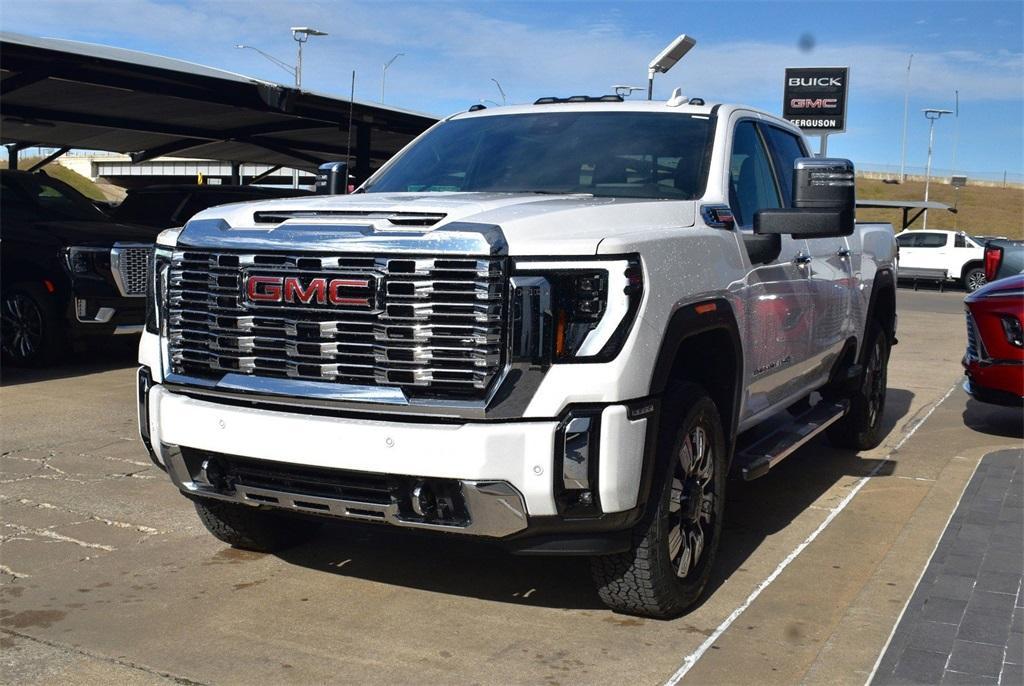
[
  {"x": 1012, "y": 330},
  {"x": 576, "y": 454},
  {"x": 576, "y": 463}
]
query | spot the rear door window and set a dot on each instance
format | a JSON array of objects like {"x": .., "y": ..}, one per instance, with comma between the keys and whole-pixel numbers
[{"x": 931, "y": 240}]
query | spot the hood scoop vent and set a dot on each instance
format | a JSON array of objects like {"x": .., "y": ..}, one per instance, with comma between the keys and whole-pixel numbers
[{"x": 404, "y": 219}]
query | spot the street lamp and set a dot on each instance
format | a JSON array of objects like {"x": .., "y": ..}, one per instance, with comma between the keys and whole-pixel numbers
[
  {"x": 281, "y": 63},
  {"x": 931, "y": 114},
  {"x": 384, "y": 74},
  {"x": 667, "y": 59},
  {"x": 500, "y": 90},
  {"x": 301, "y": 34}
]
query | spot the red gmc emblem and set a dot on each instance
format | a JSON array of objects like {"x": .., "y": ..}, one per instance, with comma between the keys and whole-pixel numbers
[{"x": 341, "y": 292}]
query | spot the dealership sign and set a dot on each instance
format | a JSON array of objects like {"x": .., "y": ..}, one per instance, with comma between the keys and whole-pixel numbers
[{"x": 815, "y": 98}]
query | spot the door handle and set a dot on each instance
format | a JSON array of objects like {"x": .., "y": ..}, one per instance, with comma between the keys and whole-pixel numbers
[
  {"x": 843, "y": 253},
  {"x": 802, "y": 259}
]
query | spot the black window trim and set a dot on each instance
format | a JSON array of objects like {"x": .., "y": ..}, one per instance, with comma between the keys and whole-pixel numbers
[
  {"x": 771, "y": 158},
  {"x": 749, "y": 228}
]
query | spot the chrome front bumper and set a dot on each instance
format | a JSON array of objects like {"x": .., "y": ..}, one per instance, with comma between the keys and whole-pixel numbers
[{"x": 495, "y": 508}]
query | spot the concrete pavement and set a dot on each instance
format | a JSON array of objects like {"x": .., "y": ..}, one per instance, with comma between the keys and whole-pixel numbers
[{"x": 108, "y": 575}]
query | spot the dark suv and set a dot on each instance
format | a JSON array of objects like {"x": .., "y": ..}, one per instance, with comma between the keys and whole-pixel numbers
[
  {"x": 68, "y": 271},
  {"x": 170, "y": 205}
]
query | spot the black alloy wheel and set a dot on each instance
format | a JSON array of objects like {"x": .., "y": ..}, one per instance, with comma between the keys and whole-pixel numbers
[
  {"x": 692, "y": 502},
  {"x": 22, "y": 325}
]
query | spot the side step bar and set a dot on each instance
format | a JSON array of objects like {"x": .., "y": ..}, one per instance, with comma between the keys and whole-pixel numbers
[{"x": 759, "y": 458}]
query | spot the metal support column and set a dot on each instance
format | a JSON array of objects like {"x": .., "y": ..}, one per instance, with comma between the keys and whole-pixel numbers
[
  {"x": 236, "y": 173},
  {"x": 363, "y": 139}
]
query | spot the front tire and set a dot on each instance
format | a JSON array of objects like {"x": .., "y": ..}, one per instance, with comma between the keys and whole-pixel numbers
[
  {"x": 861, "y": 428},
  {"x": 251, "y": 528},
  {"x": 674, "y": 547},
  {"x": 974, "y": 278},
  {"x": 30, "y": 329}
]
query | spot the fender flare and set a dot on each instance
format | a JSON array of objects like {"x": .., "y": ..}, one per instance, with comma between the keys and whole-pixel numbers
[
  {"x": 692, "y": 319},
  {"x": 885, "y": 279}
]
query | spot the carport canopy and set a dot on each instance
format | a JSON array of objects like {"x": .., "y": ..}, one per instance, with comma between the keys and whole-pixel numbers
[
  {"x": 907, "y": 206},
  {"x": 65, "y": 94}
]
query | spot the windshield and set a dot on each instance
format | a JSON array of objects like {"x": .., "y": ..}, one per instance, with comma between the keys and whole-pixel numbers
[
  {"x": 606, "y": 154},
  {"x": 54, "y": 198}
]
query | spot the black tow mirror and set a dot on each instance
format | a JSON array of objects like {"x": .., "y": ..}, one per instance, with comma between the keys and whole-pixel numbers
[
  {"x": 332, "y": 179},
  {"x": 823, "y": 201}
]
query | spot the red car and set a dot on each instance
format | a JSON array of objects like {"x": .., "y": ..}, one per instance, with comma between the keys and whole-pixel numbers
[{"x": 994, "y": 362}]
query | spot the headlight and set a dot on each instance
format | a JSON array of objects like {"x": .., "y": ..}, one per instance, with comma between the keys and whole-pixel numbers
[
  {"x": 573, "y": 311},
  {"x": 83, "y": 260},
  {"x": 156, "y": 293}
]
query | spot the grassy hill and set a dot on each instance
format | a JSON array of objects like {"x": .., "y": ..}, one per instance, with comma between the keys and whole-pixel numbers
[
  {"x": 983, "y": 210},
  {"x": 80, "y": 183}
]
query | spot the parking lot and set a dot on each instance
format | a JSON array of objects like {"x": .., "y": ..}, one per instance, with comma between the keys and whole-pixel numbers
[{"x": 108, "y": 576}]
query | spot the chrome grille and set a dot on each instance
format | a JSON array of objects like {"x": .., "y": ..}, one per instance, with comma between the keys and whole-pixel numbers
[
  {"x": 435, "y": 325},
  {"x": 130, "y": 267}
]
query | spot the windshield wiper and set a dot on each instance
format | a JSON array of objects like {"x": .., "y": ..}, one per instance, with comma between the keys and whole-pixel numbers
[{"x": 543, "y": 192}]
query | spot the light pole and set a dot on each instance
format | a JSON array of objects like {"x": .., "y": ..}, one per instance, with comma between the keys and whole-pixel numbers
[
  {"x": 906, "y": 103},
  {"x": 931, "y": 114},
  {"x": 281, "y": 63},
  {"x": 301, "y": 34},
  {"x": 501, "y": 90},
  {"x": 956, "y": 127},
  {"x": 384, "y": 74},
  {"x": 667, "y": 59}
]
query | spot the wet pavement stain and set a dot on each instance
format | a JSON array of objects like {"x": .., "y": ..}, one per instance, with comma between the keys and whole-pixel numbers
[
  {"x": 624, "y": 621},
  {"x": 233, "y": 556},
  {"x": 42, "y": 619}
]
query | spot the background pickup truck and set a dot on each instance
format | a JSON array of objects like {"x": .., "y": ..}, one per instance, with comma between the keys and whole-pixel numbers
[
  {"x": 1003, "y": 258},
  {"x": 552, "y": 326},
  {"x": 942, "y": 256}
]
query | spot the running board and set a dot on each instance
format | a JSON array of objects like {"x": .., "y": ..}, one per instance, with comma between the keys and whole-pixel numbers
[{"x": 760, "y": 457}]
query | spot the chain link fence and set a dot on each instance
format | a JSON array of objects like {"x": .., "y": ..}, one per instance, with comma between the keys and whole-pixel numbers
[{"x": 892, "y": 171}]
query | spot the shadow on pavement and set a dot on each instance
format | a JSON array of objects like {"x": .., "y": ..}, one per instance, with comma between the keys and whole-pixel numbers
[
  {"x": 994, "y": 420},
  {"x": 115, "y": 353},
  {"x": 445, "y": 564},
  {"x": 755, "y": 510}
]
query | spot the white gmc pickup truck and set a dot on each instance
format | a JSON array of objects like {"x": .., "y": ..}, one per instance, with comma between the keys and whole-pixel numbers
[{"x": 550, "y": 325}]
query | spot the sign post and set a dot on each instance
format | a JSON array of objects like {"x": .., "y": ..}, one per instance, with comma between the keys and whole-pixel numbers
[{"x": 814, "y": 98}]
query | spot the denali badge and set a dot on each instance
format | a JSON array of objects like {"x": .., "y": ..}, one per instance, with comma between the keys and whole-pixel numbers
[{"x": 341, "y": 292}]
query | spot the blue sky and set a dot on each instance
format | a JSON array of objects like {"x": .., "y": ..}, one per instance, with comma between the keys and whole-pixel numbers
[{"x": 453, "y": 49}]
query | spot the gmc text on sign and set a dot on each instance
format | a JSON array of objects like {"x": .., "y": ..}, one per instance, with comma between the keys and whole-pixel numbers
[{"x": 814, "y": 98}]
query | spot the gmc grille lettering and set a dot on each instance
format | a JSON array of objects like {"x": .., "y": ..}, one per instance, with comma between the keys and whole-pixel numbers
[{"x": 319, "y": 291}]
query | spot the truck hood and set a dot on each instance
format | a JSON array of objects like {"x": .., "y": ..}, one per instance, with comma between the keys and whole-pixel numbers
[
  {"x": 532, "y": 224},
  {"x": 96, "y": 233}
]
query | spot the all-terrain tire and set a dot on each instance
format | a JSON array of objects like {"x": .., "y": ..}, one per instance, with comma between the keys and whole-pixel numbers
[
  {"x": 645, "y": 580},
  {"x": 251, "y": 528},
  {"x": 861, "y": 428}
]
